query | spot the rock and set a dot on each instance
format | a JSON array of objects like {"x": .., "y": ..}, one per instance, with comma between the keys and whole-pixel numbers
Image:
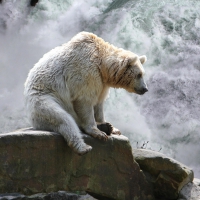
[
  {"x": 167, "y": 175},
  {"x": 41, "y": 162},
  {"x": 191, "y": 191},
  {"x": 60, "y": 195}
]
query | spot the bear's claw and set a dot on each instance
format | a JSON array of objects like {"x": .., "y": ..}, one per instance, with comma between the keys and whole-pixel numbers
[
  {"x": 102, "y": 136},
  {"x": 84, "y": 150},
  {"x": 116, "y": 131},
  {"x": 81, "y": 148},
  {"x": 96, "y": 133}
]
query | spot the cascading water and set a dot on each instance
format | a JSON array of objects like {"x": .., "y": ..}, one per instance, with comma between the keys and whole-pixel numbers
[{"x": 168, "y": 32}]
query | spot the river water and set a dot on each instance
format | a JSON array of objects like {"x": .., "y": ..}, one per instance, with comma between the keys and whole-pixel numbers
[{"x": 167, "y": 32}]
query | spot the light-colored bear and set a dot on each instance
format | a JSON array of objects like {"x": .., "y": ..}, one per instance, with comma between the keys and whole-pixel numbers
[{"x": 66, "y": 89}]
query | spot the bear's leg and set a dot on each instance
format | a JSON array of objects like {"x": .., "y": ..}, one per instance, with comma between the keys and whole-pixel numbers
[
  {"x": 102, "y": 125},
  {"x": 85, "y": 112},
  {"x": 49, "y": 115},
  {"x": 98, "y": 113},
  {"x": 74, "y": 140}
]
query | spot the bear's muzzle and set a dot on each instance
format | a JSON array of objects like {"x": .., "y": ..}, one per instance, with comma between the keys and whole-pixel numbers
[{"x": 141, "y": 91}]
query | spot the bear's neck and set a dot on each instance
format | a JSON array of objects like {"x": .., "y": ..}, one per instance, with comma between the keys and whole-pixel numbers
[
  {"x": 113, "y": 75},
  {"x": 111, "y": 72}
]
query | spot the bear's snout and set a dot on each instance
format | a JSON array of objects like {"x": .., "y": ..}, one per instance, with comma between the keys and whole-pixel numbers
[
  {"x": 141, "y": 91},
  {"x": 144, "y": 90}
]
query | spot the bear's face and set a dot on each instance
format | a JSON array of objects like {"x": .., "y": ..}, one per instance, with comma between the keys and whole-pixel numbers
[{"x": 134, "y": 75}]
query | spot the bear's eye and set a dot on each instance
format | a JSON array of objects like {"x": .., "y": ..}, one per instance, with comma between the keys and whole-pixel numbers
[{"x": 139, "y": 76}]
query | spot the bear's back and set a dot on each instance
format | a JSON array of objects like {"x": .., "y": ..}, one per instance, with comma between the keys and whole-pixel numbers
[{"x": 72, "y": 67}]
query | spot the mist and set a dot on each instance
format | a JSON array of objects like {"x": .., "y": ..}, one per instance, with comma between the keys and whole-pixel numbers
[{"x": 168, "y": 116}]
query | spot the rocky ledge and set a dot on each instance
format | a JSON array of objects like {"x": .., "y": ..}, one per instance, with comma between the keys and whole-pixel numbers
[
  {"x": 41, "y": 162},
  {"x": 166, "y": 175}
]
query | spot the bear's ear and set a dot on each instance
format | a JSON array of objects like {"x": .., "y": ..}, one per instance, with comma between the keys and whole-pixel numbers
[
  {"x": 132, "y": 61},
  {"x": 143, "y": 59}
]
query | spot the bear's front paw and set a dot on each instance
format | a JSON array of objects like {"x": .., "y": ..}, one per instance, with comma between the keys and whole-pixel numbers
[
  {"x": 102, "y": 136},
  {"x": 106, "y": 127},
  {"x": 96, "y": 133}
]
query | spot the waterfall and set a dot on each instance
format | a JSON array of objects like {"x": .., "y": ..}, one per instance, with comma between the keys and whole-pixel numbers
[{"x": 168, "y": 32}]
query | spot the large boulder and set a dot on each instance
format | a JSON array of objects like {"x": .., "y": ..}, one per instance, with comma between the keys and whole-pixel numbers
[
  {"x": 167, "y": 175},
  {"x": 40, "y": 161}
]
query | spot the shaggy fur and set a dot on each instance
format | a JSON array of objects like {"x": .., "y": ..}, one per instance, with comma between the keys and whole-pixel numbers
[{"x": 65, "y": 90}]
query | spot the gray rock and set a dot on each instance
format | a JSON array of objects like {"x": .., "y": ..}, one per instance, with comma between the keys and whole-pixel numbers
[
  {"x": 61, "y": 195},
  {"x": 41, "y": 162},
  {"x": 191, "y": 191},
  {"x": 167, "y": 175}
]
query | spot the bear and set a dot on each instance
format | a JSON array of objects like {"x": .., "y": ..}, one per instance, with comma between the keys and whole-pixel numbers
[{"x": 66, "y": 89}]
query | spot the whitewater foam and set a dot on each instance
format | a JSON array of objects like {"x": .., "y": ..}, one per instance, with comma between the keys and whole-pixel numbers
[{"x": 167, "y": 32}]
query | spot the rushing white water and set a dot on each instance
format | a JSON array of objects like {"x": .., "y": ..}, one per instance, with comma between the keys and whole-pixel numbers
[{"x": 168, "y": 32}]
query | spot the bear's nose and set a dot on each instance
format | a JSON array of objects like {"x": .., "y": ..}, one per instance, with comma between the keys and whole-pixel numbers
[{"x": 144, "y": 90}]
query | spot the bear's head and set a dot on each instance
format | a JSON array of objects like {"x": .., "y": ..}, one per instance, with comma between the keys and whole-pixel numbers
[
  {"x": 128, "y": 72},
  {"x": 135, "y": 75}
]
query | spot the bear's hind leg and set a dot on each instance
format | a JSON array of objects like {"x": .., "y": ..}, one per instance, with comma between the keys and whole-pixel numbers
[
  {"x": 74, "y": 141},
  {"x": 49, "y": 115}
]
